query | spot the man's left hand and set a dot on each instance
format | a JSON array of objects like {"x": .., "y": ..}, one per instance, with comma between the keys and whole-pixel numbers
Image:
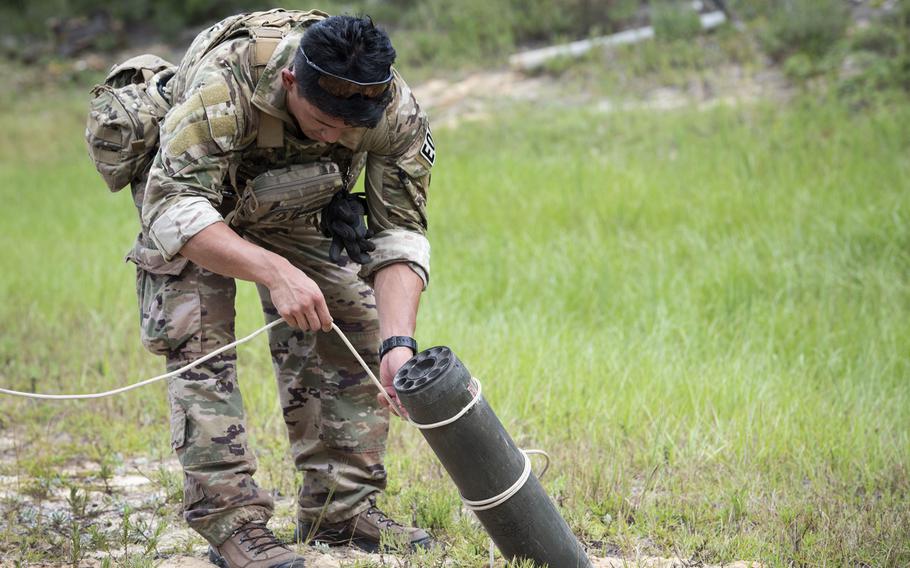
[{"x": 390, "y": 364}]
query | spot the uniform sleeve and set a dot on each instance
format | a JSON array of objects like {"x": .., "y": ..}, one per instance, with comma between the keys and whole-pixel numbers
[
  {"x": 198, "y": 138},
  {"x": 397, "y": 178}
]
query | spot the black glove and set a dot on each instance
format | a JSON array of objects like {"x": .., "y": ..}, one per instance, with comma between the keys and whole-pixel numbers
[{"x": 342, "y": 220}]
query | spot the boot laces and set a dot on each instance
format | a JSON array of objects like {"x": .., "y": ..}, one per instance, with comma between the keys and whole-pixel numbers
[
  {"x": 261, "y": 542},
  {"x": 382, "y": 518}
]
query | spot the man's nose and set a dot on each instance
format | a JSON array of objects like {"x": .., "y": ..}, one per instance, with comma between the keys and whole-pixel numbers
[{"x": 331, "y": 134}]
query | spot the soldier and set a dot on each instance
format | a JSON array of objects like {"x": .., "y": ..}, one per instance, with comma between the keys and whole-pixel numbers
[{"x": 269, "y": 130}]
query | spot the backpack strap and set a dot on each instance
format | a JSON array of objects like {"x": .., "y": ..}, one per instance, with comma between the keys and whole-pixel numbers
[
  {"x": 265, "y": 41},
  {"x": 271, "y": 128},
  {"x": 266, "y": 30}
]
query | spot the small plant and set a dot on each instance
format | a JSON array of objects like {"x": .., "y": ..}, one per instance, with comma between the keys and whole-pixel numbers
[
  {"x": 77, "y": 501},
  {"x": 435, "y": 510},
  {"x": 98, "y": 539},
  {"x": 106, "y": 474},
  {"x": 170, "y": 484},
  {"x": 126, "y": 530},
  {"x": 76, "y": 549},
  {"x": 42, "y": 482},
  {"x": 148, "y": 534}
]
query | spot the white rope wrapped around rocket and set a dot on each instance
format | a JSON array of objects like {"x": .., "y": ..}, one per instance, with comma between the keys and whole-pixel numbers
[{"x": 490, "y": 471}]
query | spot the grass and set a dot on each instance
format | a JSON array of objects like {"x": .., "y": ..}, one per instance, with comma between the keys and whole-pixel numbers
[{"x": 701, "y": 315}]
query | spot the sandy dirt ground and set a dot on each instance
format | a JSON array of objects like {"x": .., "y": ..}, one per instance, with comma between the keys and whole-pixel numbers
[
  {"x": 138, "y": 485},
  {"x": 479, "y": 96}
]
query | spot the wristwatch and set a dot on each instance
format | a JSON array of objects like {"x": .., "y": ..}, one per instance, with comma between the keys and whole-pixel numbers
[{"x": 397, "y": 341}]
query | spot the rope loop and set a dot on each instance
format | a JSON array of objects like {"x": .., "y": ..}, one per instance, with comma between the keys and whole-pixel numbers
[{"x": 486, "y": 504}]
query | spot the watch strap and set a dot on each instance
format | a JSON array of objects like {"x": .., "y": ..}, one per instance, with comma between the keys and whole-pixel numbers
[{"x": 397, "y": 341}]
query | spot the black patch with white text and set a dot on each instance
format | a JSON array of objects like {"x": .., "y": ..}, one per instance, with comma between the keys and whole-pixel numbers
[{"x": 428, "y": 150}]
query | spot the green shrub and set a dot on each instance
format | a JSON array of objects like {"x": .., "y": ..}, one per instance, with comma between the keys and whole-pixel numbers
[
  {"x": 430, "y": 31},
  {"x": 735, "y": 48},
  {"x": 877, "y": 39},
  {"x": 463, "y": 31},
  {"x": 877, "y": 58},
  {"x": 442, "y": 30},
  {"x": 538, "y": 21},
  {"x": 805, "y": 26},
  {"x": 902, "y": 13},
  {"x": 864, "y": 74},
  {"x": 674, "y": 21},
  {"x": 752, "y": 9},
  {"x": 799, "y": 67},
  {"x": 32, "y": 17}
]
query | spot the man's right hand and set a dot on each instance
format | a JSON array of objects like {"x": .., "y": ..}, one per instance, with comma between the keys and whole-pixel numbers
[
  {"x": 299, "y": 300},
  {"x": 296, "y": 297}
]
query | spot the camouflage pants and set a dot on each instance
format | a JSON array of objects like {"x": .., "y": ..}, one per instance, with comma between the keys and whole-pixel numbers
[{"x": 337, "y": 430}]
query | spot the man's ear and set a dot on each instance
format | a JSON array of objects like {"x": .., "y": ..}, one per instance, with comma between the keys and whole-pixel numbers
[{"x": 288, "y": 80}]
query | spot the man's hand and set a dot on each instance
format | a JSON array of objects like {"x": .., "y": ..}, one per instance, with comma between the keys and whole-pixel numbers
[
  {"x": 296, "y": 297},
  {"x": 299, "y": 300},
  {"x": 390, "y": 364},
  {"x": 398, "y": 290}
]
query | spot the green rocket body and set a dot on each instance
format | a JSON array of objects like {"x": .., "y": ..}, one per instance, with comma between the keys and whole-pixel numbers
[{"x": 484, "y": 461}]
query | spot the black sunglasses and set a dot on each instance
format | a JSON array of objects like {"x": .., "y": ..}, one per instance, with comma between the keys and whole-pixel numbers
[{"x": 345, "y": 88}]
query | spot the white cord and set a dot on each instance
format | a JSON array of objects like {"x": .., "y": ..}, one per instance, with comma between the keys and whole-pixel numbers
[
  {"x": 478, "y": 505},
  {"x": 461, "y": 412},
  {"x": 185, "y": 368},
  {"x": 393, "y": 404},
  {"x": 486, "y": 504}
]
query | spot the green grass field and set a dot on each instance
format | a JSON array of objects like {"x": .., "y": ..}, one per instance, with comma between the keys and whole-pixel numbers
[{"x": 701, "y": 315}]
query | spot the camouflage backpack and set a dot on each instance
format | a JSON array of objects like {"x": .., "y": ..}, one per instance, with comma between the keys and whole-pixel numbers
[{"x": 122, "y": 127}]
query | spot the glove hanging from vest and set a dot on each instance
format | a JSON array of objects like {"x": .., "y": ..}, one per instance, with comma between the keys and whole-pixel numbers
[{"x": 342, "y": 220}]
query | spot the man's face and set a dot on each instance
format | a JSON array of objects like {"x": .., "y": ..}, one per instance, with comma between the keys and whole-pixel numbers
[{"x": 314, "y": 123}]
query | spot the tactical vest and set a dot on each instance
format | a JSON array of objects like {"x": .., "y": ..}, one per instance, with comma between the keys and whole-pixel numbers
[{"x": 126, "y": 109}]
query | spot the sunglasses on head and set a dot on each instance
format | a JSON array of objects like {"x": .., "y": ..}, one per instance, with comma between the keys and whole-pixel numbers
[{"x": 344, "y": 88}]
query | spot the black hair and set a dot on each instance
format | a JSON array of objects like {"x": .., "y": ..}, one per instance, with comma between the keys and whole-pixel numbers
[{"x": 353, "y": 48}]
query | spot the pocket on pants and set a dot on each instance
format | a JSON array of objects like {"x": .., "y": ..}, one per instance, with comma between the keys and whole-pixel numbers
[
  {"x": 170, "y": 308},
  {"x": 178, "y": 427},
  {"x": 192, "y": 492}
]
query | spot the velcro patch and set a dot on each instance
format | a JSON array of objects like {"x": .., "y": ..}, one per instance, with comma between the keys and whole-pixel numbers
[
  {"x": 215, "y": 93},
  {"x": 428, "y": 150},
  {"x": 198, "y": 133},
  {"x": 202, "y": 125},
  {"x": 207, "y": 96}
]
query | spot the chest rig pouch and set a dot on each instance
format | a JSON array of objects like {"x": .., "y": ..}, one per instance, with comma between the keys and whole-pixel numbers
[{"x": 282, "y": 197}]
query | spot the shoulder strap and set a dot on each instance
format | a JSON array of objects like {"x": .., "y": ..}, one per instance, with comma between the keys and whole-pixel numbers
[
  {"x": 265, "y": 41},
  {"x": 271, "y": 128},
  {"x": 265, "y": 29}
]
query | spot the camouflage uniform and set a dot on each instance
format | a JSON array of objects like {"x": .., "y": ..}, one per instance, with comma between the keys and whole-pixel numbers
[{"x": 209, "y": 155}]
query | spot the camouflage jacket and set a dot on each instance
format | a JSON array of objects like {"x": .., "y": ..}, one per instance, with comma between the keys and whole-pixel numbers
[{"x": 209, "y": 150}]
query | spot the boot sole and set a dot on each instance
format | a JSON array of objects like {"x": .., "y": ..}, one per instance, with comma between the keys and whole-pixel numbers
[
  {"x": 219, "y": 561},
  {"x": 216, "y": 558},
  {"x": 333, "y": 538}
]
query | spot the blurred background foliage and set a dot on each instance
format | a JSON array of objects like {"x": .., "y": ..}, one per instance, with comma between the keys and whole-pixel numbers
[{"x": 862, "y": 44}]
